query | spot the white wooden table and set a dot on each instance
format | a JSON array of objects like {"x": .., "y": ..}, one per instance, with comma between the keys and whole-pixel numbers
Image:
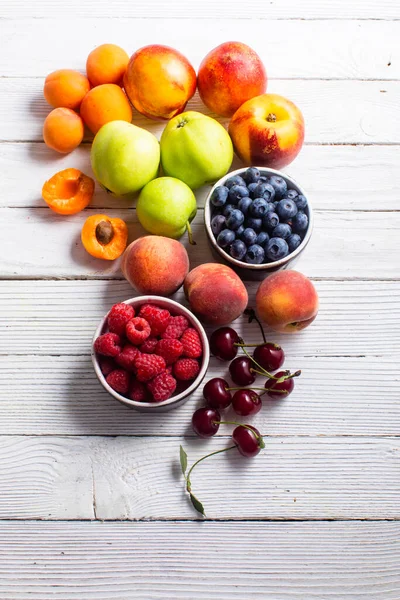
[{"x": 91, "y": 497}]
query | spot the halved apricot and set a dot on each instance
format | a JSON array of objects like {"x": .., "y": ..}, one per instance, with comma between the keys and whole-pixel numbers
[
  {"x": 68, "y": 191},
  {"x": 104, "y": 237}
]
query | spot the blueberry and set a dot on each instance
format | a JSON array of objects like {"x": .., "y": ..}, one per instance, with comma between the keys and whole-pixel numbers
[
  {"x": 237, "y": 192},
  {"x": 219, "y": 195},
  {"x": 254, "y": 223},
  {"x": 244, "y": 204},
  {"x": 225, "y": 238},
  {"x": 255, "y": 255},
  {"x": 283, "y": 230},
  {"x": 251, "y": 187},
  {"x": 235, "y": 219},
  {"x": 291, "y": 194},
  {"x": 228, "y": 208},
  {"x": 293, "y": 242},
  {"x": 270, "y": 220},
  {"x": 279, "y": 185},
  {"x": 301, "y": 202},
  {"x": 262, "y": 238},
  {"x": 276, "y": 248},
  {"x": 235, "y": 180},
  {"x": 238, "y": 249},
  {"x": 265, "y": 190},
  {"x": 249, "y": 236},
  {"x": 252, "y": 175},
  {"x": 217, "y": 224},
  {"x": 286, "y": 209},
  {"x": 258, "y": 208},
  {"x": 239, "y": 231},
  {"x": 264, "y": 178},
  {"x": 300, "y": 222}
]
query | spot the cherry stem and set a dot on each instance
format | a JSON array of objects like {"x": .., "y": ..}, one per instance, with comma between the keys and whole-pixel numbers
[
  {"x": 253, "y": 317},
  {"x": 190, "y": 234},
  {"x": 276, "y": 346},
  {"x": 187, "y": 477},
  {"x": 263, "y": 371},
  {"x": 296, "y": 374}
]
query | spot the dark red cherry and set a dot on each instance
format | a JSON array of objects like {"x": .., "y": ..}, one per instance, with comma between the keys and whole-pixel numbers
[
  {"x": 248, "y": 440},
  {"x": 204, "y": 422},
  {"x": 216, "y": 393},
  {"x": 222, "y": 343},
  {"x": 241, "y": 370},
  {"x": 246, "y": 402},
  {"x": 269, "y": 356},
  {"x": 279, "y": 391}
]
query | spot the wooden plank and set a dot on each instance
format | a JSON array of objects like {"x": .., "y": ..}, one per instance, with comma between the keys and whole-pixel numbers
[
  {"x": 353, "y": 112},
  {"x": 370, "y": 45},
  {"x": 340, "y": 178},
  {"x": 157, "y": 561},
  {"x": 52, "y": 246},
  {"x": 139, "y": 477}
]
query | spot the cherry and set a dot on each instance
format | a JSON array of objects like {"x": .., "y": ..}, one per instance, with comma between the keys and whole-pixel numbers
[
  {"x": 205, "y": 422},
  {"x": 217, "y": 394},
  {"x": 276, "y": 390},
  {"x": 241, "y": 370},
  {"x": 222, "y": 343},
  {"x": 246, "y": 402},
  {"x": 248, "y": 440},
  {"x": 269, "y": 356}
]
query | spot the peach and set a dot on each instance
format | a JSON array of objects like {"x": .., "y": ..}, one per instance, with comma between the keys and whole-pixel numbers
[
  {"x": 267, "y": 131},
  {"x": 155, "y": 265},
  {"x": 216, "y": 293},
  {"x": 159, "y": 81},
  {"x": 229, "y": 75},
  {"x": 287, "y": 301}
]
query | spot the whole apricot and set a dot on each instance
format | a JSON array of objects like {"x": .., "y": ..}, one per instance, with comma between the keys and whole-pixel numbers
[
  {"x": 106, "y": 64},
  {"x": 65, "y": 88},
  {"x": 63, "y": 130},
  {"x": 105, "y": 103}
]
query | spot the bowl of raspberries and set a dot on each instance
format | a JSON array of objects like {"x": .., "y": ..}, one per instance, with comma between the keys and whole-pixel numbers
[
  {"x": 150, "y": 353},
  {"x": 258, "y": 220}
]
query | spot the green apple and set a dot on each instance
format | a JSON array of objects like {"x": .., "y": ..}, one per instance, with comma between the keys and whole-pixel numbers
[
  {"x": 196, "y": 149},
  {"x": 124, "y": 157},
  {"x": 166, "y": 206}
]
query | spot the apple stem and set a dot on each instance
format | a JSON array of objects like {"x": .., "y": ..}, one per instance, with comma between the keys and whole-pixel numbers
[{"x": 190, "y": 234}]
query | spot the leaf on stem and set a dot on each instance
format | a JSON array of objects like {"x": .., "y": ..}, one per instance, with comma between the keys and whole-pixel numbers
[
  {"x": 197, "y": 504},
  {"x": 183, "y": 460}
]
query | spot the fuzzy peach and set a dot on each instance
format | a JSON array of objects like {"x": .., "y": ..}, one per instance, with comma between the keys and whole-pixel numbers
[
  {"x": 267, "y": 131},
  {"x": 216, "y": 294},
  {"x": 155, "y": 265},
  {"x": 287, "y": 301}
]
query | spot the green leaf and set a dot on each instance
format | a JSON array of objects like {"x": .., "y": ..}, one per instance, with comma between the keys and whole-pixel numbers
[
  {"x": 183, "y": 459},
  {"x": 197, "y": 504}
]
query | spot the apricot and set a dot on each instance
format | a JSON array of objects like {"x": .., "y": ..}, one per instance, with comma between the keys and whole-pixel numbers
[
  {"x": 63, "y": 130},
  {"x": 68, "y": 191},
  {"x": 105, "y": 103},
  {"x": 103, "y": 237},
  {"x": 106, "y": 64},
  {"x": 65, "y": 88}
]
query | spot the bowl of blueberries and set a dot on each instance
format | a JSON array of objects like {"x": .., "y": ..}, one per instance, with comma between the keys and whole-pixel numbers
[{"x": 258, "y": 220}]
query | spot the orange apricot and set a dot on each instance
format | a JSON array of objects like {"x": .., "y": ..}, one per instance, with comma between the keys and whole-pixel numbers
[
  {"x": 68, "y": 191},
  {"x": 106, "y": 64},
  {"x": 63, "y": 130},
  {"x": 105, "y": 103},
  {"x": 104, "y": 237},
  {"x": 65, "y": 88}
]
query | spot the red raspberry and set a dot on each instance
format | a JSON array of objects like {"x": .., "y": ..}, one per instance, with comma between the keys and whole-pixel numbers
[
  {"x": 119, "y": 316},
  {"x": 108, "y": 344},
  {"x": 169, "y": 369},
  {"x": 119, "y": 380},
  {"x": 138, "y": 391},
  {"x": 162, "y": 387},
  {"x": 126, "y": 358},
  {"x": 106, "y": 365},
  {"x": 149, "y": 345},
  {"x": 192, "y": 347},
  {"x": 170, "y": 350},
  {"x": 156, "y": 317},
  {"x": 176, "y": 327},
  {"x": 137, "y": 330},
  {"x": 148, "y": 366},
  {"x": 186, "y": 369}
]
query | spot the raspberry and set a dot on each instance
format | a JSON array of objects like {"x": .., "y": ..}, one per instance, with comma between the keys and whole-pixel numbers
[
  {"x": 106, "y": 365},
  {"x": 126, "y": 358},
  {"x": 148, "y": 366},
  {"x": 192, "y": 347},
  {"x": 137, "y": 330},
  {"x": 176, "y": 327},
  {"x": 108, "y": 344},
  {"x": 149, "y": 345},
  {"x": 186, "y": 369},
  {"x": 169, "y": 369},
  {"x": 170, "y": 350},
  {"x": 138, "y": 391},
  {"x": 162, "y": 386},
  {"x": 156, "y": 317},
  {"x": 119, "y": 316},
  {"x": 118, "y": 380}
]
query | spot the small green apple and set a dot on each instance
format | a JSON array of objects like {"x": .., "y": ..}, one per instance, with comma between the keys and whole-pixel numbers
[
  {"x": 166, "y": 206},
  {"x": 196, "y": 149},
  {"x": 124, "y": 157}
]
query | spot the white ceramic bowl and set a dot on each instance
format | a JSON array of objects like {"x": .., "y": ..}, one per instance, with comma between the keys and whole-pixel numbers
[{"x": 176, "y": 309}]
